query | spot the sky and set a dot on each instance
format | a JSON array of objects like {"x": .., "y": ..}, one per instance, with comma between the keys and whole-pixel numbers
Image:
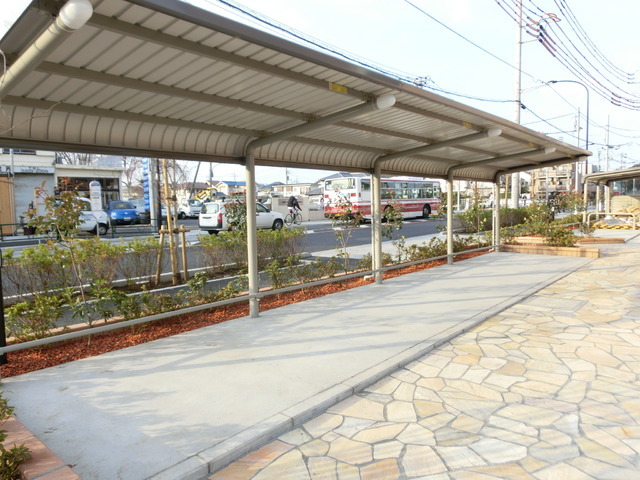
[{"x": 467, "y": 50}]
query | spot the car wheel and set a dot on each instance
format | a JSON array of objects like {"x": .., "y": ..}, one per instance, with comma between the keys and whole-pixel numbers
[
  {"x": 101, "y": 229},
  {"x": 277, "y": 224},
  {"x": 182, "y": 216},
  {"x": 426, "y": 211},
  {"x": 212, "y": 232}
]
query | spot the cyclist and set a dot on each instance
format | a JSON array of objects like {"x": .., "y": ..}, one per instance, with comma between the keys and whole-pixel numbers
[{"x": 293, "y": 205}]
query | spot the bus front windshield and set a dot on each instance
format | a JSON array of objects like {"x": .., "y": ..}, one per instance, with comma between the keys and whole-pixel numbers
[{"x": 340, "y": 184}]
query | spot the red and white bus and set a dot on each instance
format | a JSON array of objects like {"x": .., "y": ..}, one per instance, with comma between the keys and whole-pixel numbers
[{"x": 418, "y": 197}]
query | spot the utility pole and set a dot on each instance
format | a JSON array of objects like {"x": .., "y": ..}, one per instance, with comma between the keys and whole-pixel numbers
[{"x": 515, "y": 178}]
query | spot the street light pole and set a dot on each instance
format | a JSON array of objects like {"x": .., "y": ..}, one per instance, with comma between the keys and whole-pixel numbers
[{"x": 586, "y": 89}]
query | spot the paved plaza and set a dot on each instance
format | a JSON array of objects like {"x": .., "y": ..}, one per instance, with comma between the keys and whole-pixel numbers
[{"x": 547, "y": 389}]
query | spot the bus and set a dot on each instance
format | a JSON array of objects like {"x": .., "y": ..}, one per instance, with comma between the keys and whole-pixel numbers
[{"x": 417, "y": 197}]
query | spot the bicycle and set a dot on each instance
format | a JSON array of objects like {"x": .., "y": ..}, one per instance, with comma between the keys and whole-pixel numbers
[{"x": 293, "y": 219}]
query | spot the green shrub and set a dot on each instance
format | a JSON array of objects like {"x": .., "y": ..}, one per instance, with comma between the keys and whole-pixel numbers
[
  {"x": 221, "y": 250},
  {"x": 560, "y": 237},
  {"x": 435, "y": 248},
  {"x": 41, "y": 268},
  {"x": 308, "y": 272},
  {"x": 513, "y": 216},
  {"x": 279, "y": 244},
  {"x": 97, "y": 260},
  {"x": 538, "y": 220},
  {"x": 366, "y": 262},
  {"x": 279, "y": 275},
  {"x": 32, "y": 320},
  {"x": 475, "y": 218},
  {"x": 10, "y": 458},
  {"x": 139, "y": 260}
]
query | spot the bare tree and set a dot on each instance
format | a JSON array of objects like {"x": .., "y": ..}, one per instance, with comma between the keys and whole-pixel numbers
[
  {"x": 131, "y": 173},
  {"x": 70, "y": 158}
]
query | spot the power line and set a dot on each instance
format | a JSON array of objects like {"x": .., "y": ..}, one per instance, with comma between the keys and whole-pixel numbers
[
  {"x": 466, "y": 39},
  {"x": 575, "y": 50}
]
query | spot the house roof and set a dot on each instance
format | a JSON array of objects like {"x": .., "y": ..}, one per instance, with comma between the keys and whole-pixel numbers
[{"x": 163, "y": 78}]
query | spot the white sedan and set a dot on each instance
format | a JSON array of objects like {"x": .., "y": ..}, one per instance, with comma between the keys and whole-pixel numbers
[{"x": 212, "y": 218}]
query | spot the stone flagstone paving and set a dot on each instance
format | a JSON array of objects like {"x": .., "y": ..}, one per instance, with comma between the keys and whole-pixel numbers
[{"x": 549, "y": 389}]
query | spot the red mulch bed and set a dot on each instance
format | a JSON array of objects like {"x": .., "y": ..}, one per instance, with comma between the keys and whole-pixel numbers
[{"x": 24, "y": 361}]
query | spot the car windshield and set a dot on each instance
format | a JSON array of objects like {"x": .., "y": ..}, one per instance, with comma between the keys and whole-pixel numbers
[
  {"x": 210, "y": 208},
  {"x": 195, "y": 203},
  {"x": 121, "y": 205}
]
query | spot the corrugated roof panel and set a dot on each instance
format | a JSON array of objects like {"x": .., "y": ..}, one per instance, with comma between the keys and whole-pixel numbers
[
  {"x": 104, "y": 131},
  {"x": 147, "y": 51},
  {"x": 171, "y": 108},
  {"x": 110, "y": 8},
  {"x": 78, "y": 92},
  {"x": 38, "y": 85},
  {"x": 138, "y": 15},
  {"x": 208, "y": 78}
]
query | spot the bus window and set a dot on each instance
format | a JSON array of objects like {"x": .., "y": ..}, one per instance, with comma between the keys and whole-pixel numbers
[
  {"x": 340, "y": 184},
  {"x": 404, "y": 190},
  {"x": 428, "y": 191},
  {"x": 387, "y": 189}
]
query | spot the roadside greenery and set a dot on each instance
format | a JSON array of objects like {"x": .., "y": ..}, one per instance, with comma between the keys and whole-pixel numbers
[
  {"x": 535, "y": 219},
  {"x": 73, "y": 280},
  {"x": 346, "y": 218}
]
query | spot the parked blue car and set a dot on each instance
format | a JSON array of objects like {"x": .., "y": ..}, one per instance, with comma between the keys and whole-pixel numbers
[{"x": 122, "y": 212}]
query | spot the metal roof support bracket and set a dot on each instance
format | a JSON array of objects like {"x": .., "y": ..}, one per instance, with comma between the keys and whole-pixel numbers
[
  {"x": 492, "y": 132},
  {"x": 379, "y": 103},
  {"x": 503, "y": 158},
  {"x": 73, "y": 15},
  {"x": 554, "y": 163}
]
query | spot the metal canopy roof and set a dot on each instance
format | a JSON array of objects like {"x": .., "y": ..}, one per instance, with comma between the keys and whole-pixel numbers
[
  {"x": 605, "y": 178},
  {"x": 165, "y": 79}
]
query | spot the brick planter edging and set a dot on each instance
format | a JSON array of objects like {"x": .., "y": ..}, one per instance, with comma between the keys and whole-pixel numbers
[
  {"x": 548, "y": 250},
  {"x": 43, "y": 464},
  {"x": 579, "y": 240}
]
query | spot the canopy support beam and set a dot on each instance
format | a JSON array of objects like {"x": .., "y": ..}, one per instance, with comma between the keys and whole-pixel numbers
[{"x": 379, "y": 103}]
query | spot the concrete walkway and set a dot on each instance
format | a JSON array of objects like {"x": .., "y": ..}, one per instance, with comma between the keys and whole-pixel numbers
[{"x": 185, "y": 406}]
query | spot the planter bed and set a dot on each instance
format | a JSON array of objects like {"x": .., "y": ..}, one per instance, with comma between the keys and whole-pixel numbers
[
  {"x": 24, "y": 361},
  {"x": 548, "y": 250},
  {"x": 531, "y": 240}
]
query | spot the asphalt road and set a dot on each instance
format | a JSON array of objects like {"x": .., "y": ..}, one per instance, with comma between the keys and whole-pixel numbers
[{"x": 321, "y": 234}]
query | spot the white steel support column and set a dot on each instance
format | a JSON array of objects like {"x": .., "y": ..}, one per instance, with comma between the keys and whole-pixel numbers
[
  {"x": 496, "y": 216},
  {"x": 252, "y": 237},
  {"x": 585, "y": 201},
  {"x": 450, "y": 218},
  {"x": 376, "y": 222}
]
